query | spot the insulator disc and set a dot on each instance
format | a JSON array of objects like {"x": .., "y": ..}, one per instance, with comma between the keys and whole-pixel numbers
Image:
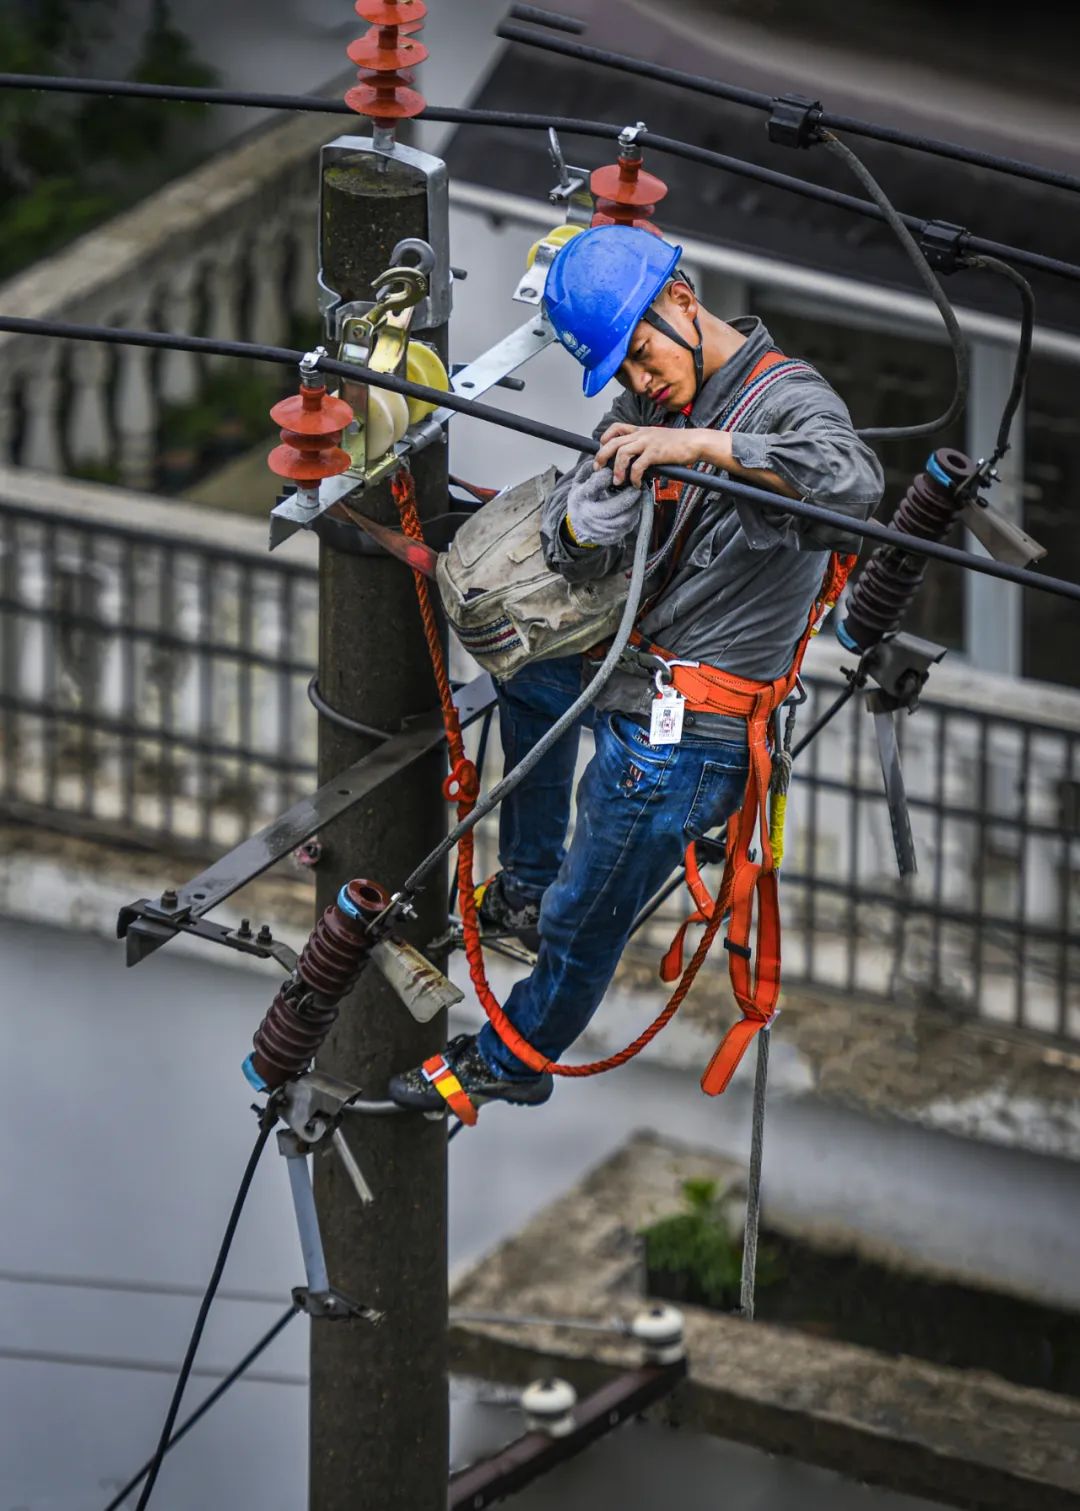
[
  {"x": 609, "y": 183},
  {"x": 614, "y": 215},
  {"x": 365, "y": 99},
  {"x": 327, "y": 417},
  {"x": 382, "y": 13},
  {"x": 366, "y": 52},
  {"x": 307, "y": 466}
]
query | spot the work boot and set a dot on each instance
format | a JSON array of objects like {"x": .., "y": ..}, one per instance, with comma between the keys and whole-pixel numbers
[
  {"x": 501, "y": 915},
  {"x": 480, "y": 1083}
]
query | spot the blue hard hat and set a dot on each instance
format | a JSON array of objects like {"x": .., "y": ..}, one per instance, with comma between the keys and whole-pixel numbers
[{"x": 598, "y": 288}]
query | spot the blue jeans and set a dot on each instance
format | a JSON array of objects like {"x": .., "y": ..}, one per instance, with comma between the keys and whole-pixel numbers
[{"x": 638, "y": 807}]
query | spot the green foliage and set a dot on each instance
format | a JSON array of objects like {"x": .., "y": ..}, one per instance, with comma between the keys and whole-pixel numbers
[
  {"x": 697, "y": 1250},
  {"x": 68, "y": 162}
]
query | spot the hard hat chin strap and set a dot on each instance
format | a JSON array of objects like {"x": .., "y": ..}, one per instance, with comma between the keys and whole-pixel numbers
[{"x": 659, "y": 323}]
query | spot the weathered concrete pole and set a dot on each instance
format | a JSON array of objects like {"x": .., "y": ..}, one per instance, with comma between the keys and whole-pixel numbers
[{"x": 379, "y": 1413}]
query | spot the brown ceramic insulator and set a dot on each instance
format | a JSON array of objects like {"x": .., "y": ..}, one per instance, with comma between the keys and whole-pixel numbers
[
  {"x": 288, "y": 1038},
  {"x": 303, "y": 1012},
  {"x": 884, "y": 590}
]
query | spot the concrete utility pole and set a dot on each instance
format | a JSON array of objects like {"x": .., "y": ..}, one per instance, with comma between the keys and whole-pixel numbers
[{"x": 379, "y": 1411}]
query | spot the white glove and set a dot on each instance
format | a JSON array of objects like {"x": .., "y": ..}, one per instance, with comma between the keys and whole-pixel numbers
[{"x": 598, "y": 514}]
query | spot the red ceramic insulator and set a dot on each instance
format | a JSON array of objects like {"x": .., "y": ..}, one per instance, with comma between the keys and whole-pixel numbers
[
  {"x": 625, "y": 194},
  {"x": 384, "y": 49},
  {"x": 311, "y": 425},
  {"x": 405, "y": 13},
  {"x": 382, "y": 54}
]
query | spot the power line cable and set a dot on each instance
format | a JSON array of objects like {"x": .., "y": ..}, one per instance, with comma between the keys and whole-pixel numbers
[
  {"x": 200, "y": 1411},
  {"x": 267, "y": 1119},
  {"x": 1023, "y": 349},
  {"x": 530, "y": 121},
  {"x": 756, "y": 100},
  {"x": 932, "y": 287},
  {"x": 868, "y": 529}
]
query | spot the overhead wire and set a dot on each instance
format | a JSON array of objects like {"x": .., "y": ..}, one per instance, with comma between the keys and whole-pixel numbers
[
  {"x": 757, "y": 100},
  {"x": 204, "y": 1406},
  {"x": 267, "y": 1119},
  {"x": 530, "y": 121},
  {"x": 932, "y": 286},
  {"x": 801, "y": 508},
  {"x": 1023, "y": 349}
]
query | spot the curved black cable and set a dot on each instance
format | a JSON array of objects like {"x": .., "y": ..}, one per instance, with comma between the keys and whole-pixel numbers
[
  {"x": 869, "y": 529},
  {"x": 335, "y": 716},
  {"x": 932, "y": 286},
  {"x": 515, "y": 120},
  {"x": 267, "y": 1120},
  {"x": 753, "y": 98},
  {"x": 204, "y": 1406},
  {"x": 1023, "y": 348}
]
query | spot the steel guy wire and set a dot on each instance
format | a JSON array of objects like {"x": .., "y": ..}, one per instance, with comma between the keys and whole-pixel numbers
[
  {"x": 515, "y": 120},
  {"x": 756, "y": 100},
  {"x": 283, "y": 356}
]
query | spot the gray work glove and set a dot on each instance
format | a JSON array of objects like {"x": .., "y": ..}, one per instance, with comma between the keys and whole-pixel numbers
[{"x": 600, "y": 515}]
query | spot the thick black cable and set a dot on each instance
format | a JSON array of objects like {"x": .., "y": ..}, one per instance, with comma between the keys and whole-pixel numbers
[
  {"x": 516, "y": 120},
  {"x": 932, "y": 286},
  {"x": 554, "y": 19},
  {"x": 335, "y": 716},
  {"x": 200, "y": 1411},
  {"x": 267, "y": 1120},
  {"x": 1023, "y": 348},
  {"x": 756, "y": 100},
  {"x": 868, "y": 529}
]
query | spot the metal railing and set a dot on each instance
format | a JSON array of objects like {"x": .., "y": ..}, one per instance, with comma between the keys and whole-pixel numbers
[{"x": 152, "y": 689}]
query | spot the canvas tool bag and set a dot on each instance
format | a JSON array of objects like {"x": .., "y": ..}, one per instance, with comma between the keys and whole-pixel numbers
[{"x": 503, "y": 601}]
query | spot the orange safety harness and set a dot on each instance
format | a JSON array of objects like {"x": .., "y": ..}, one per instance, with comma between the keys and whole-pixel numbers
[{"x": 707, "y": 690}]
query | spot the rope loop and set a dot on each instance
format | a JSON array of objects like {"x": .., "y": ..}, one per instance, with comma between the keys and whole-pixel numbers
[{"x": 462, "y": 785}]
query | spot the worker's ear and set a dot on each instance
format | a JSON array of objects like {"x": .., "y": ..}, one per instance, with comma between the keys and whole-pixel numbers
[{"x": 682, "y": 296}]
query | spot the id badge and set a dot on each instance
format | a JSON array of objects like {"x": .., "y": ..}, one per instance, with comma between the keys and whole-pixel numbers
[{"x": 666, "y": 717}]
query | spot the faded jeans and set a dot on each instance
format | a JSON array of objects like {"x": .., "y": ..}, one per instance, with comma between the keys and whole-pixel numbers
[{"x": 638, "y": 807}]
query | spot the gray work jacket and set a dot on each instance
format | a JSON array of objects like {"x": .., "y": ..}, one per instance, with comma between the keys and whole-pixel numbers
[{"x": 747, "y": 576}]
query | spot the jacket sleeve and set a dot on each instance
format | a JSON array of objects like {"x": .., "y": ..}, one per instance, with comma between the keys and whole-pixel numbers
[
  {"x": 814, "y": 448},
  {"x": 586, "y": 563}
]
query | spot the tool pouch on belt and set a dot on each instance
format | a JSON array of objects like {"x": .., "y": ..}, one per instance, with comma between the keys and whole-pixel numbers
[{"x": 504, "y": 603}]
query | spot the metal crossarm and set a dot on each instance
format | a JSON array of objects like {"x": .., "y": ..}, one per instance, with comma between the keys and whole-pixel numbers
[{"x": 148, "y": 925}]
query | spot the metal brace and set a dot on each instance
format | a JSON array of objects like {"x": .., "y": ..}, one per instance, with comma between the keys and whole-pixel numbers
[
  {"x": 572, "y": 191},
  {"x": 312, "y": 1107}
]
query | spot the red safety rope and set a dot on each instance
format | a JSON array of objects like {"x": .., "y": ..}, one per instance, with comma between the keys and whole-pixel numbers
[{"x": 463, "y": 787}]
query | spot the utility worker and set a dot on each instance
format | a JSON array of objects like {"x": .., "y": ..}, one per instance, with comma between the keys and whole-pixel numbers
[{"x": 733, "y": 591}]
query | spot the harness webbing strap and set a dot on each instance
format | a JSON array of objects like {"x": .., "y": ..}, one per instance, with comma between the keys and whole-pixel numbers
[
  {"x": 749, "y": 891},
  {"x": 445, "y": 1081}
]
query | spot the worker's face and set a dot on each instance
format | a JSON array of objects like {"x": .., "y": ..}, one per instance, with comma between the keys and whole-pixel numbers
[{"x": 657, "y": 368}]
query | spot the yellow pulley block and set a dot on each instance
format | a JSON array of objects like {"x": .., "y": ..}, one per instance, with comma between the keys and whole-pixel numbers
[
  {"x": 424, "y": 365},
  {"x": 387, "y": 421},
  {"x": 556, "y": 238}
]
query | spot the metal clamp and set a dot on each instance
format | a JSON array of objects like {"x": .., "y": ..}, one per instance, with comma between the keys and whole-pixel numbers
[
  {"x": 794, "y": 121},
  {"x": 572, "y": 191},
  {"x": 435, "y": 308},
  {"x": 941, "y": 243}
]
